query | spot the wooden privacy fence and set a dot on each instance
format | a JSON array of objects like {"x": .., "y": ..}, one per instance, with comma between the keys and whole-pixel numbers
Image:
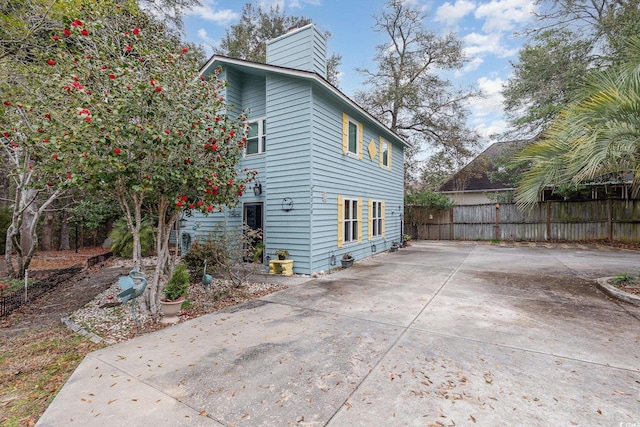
[{"x": 614, "y": 220}]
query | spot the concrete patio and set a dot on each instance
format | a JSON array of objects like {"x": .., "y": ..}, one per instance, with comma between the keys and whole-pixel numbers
[{"x": 441, "y": 333}]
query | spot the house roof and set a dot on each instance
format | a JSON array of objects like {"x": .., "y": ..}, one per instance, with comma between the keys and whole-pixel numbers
[
  {"x": 474, "y": 176},
  {"x": 257, "y": 68}
]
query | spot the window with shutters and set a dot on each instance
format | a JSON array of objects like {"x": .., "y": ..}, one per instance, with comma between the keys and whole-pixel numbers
[
  {"x": 350, "y": 221},
  {"x": 376, "y": 218}
]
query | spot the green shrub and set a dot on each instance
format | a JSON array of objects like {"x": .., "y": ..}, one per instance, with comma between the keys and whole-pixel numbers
[
  {"x": 211, "y": 250},
  {"x": 122, "y": 239},
  {"x": 178, "y": 284}
]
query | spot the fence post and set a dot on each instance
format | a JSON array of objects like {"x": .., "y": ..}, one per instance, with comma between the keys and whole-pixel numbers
[
  {"x": 548, "y": 222},
  {"x": 450, "y": 224},
  {"x": 497, "y": 230},
  {"x": 609, "y": 220}
]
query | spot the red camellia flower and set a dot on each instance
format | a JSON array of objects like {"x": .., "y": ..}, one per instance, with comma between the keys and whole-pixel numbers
[
  {"x": 185, "y": 50},
  {"x": 199, "y": 202},
  {"x": 7, "y": 103},
  {"x": 84, "y": 32},
  {"x": 45, "y": 140},
  {"x": 230, "y": 182},
  {"x": 84, "y": 111},
  {"x": 87, "y": 119},
  {"x": 67, "y": 32},
  {"x": 55, "y": 38},
  {"x": 5, "y": 134},
  {"x": 184, "y": 198},
  {"x": 136, "y": 31},
  {"x": 209, "y": 208},
  {"x": 111, "y": 76},
  {"x": 158, "y": 89},
  {"x": 191, "y": 206},
  {"x": 116, "y": 151},
  {"x": 68, "y": 176},
  {"x": 76, "y": 23},
  {"x": 51, "y": 62},
  {"x": 127, "y": 48},
  {"x": 232, "y": 134},
  {"x": 179, "y": 204},
  {"x": 166, "y": 131},
  {"x": 48, "y": 116},
  {"x": 55, "y": 157}
]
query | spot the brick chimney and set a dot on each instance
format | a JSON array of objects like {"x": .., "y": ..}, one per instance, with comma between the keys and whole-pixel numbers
[{"x": 301, "y": 48}]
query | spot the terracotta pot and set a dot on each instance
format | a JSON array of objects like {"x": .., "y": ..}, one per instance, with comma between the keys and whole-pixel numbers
[{"x": 170, "y": 310}]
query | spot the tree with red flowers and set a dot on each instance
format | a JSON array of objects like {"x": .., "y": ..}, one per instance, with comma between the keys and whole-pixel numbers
[{"x": 142, "y": 122}]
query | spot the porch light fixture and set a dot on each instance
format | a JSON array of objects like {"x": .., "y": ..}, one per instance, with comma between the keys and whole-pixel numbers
[{"x": 257, "y": 188}]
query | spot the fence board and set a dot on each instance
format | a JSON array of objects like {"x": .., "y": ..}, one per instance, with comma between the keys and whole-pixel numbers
[{"x": 551, "y": 220}]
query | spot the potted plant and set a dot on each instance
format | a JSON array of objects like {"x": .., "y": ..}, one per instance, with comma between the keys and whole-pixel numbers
[
  {"x": 394, "y": 247},
  {"x": 406, "y": 239},
  {"x": 347, "y": 260},
  {"x": 174, "y": 294},
  {"x": 282, "y": 254}
]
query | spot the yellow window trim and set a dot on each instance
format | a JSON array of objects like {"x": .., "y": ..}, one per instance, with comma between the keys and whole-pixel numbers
[
  {"x": 345, "y": 136},
  {"x": 340, "y": 221},
  {"x": 390, "y": 148},
  {"x": 345, "y": 133},
  {"x": 383, "y": 218},
  {"x": 369, "y": 226},
  {"x": 360, "y": 137},
  {"x": 360, "y": 220}
]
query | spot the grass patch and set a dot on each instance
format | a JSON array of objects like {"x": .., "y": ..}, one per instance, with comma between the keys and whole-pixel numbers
[
  {"x": 33, "y": 367},
  {"x": 624, "y": 279}
]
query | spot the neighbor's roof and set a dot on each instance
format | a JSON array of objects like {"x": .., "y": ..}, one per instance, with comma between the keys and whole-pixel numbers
[
  {"x": 474, "y": 176},
  {"x": 251, "y": 67}
]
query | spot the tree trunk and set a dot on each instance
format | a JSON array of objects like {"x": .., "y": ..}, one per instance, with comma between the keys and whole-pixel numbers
[
  {"x": 64, "y": 232},
  {"x": 29, "y": 216},
  {"x": 166, "y": 222},
  {"x": 47, "y": 231}
]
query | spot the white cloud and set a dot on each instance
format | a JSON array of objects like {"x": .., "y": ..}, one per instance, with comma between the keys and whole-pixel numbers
[
  {"x": 452, "y": 13},
  {"x": 490, "y": 131},
  {"x": 291, "y": 4},
  {"x": 491, "y": 102},
  {"x": 207, "y": 10},
  {"x": 501, "y": 15},
  {"x": 472, "y": 65},
  {"x": 476, "y": 44},
  {"x": 207, "y": 42}
]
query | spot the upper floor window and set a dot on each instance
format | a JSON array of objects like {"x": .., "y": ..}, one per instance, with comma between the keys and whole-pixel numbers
[
  {"x": 257, "y": 137},
  {"x": 351, "y": 136},
  {"x": 385, "y": 154}
]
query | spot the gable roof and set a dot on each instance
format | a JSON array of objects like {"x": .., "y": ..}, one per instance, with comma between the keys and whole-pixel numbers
[
  {"x": 257, "y": 68},
  {"x": 474, "y": 176}
]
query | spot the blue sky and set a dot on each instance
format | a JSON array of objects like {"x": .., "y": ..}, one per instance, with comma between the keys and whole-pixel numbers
[{"x": 487, "y": 29}]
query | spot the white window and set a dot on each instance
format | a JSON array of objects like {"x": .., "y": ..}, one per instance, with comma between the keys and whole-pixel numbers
[
  {"x": 376, "y": 218},
  {"x": 385, "y": 154},
  {"x": 350, "y": 222},
  {"x": 257, "y": 137},
  {"x": 353, "y": 137}
]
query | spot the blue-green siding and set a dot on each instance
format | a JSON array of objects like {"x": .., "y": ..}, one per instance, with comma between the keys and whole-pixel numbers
[
  {"x": 304, "y": 162},
  {"x": 303, "y": 49}
]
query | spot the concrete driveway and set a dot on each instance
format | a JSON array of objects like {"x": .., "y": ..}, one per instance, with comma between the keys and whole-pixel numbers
[{"x": 436, "y": 334}]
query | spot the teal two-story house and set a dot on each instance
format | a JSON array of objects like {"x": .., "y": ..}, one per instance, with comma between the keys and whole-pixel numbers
[{"x": 330, "y": 176}]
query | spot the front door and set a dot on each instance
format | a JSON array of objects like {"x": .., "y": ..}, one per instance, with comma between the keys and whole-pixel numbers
[{"x": 253, "y": 218}]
